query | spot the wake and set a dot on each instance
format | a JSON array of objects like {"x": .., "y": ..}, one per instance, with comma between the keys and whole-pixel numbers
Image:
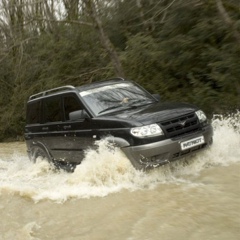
[{"x": 104, "y": 172}]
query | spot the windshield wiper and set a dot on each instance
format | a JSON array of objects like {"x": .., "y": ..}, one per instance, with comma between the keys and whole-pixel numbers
[
  {"x": 133, "y": 104},
  {"x": 110, "y": 108},
  {"x": 141, "y": 102}
]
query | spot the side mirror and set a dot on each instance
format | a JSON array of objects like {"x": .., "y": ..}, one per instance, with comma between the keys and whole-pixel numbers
[
  {"x": 156, "y": 96},
  {"x": 79, "y": 114}
]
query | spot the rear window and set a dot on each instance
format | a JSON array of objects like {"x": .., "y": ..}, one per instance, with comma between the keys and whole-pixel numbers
[{"x": 33, "y": 112}]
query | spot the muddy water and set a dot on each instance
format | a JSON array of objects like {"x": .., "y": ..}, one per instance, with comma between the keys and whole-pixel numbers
[{"x": 105, "y": 198}]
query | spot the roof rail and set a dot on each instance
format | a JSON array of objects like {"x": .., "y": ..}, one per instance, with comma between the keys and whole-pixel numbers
[
  {"x": 54, "y": 90},
  {"x": 116, "y": 78},
  {"x": 120, "y": 78}
]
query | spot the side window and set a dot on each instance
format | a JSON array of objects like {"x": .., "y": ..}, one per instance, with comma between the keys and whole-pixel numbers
[
  {"x": 71, "y": 104},
  {"x": 52, "y": 109},
  {"x": 33, "y": 112}
]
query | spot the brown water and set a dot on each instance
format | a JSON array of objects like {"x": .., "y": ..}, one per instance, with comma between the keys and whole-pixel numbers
[{"x": 105, "y": 198}]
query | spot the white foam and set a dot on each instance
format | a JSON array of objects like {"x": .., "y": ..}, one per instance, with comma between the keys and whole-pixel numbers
[{"x": 104, "y": 172}]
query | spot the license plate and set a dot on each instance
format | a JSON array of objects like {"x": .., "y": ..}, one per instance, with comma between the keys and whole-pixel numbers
[{"x": 192, "y": 143}]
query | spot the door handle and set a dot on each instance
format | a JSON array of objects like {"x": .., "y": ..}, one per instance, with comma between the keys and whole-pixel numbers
[{"x": 67, "y": 127}]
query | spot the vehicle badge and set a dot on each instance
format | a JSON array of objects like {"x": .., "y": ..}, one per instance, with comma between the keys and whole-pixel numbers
[{"x": 182, "y": 123}]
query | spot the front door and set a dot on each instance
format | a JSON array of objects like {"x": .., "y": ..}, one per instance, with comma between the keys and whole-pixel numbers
[{"x": 67, "y": 140}]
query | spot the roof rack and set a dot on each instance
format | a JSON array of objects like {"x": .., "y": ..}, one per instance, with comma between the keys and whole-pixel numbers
[
  {"x": 116, "y": 78},
  {"x": 54, "y": 90}
]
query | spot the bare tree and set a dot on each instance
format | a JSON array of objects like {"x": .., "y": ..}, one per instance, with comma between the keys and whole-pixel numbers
[
  {"x": 72, "y": 9},
  {"x": 226, "y": 18},
  {"x": 141, "y": 13},
  {"x": 107, "y": 44}
]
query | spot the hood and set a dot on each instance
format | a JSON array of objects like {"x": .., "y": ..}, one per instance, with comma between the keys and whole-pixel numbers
[{"x": 155, "y": 112}]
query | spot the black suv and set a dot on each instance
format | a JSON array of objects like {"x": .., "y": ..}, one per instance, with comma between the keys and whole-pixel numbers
[{"x": 63, "y": 122}]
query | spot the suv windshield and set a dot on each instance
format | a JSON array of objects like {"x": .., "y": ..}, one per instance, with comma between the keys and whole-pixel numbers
[{"x": 115, "y": 97}]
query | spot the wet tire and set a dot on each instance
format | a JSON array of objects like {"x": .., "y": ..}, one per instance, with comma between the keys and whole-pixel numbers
[
  {"x": 58, "y": 165},
  {"x": 66, "y": 166},
  {"x": 39, "y": 153}
]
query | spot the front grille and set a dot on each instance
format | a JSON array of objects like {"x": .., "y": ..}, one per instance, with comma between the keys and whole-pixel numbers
[{"x": 180, "y": 126}]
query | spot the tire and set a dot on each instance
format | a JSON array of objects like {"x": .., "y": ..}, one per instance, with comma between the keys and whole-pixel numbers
[
  {"x": 66, "y": 166},
  {"x": 38, "y": 152}
]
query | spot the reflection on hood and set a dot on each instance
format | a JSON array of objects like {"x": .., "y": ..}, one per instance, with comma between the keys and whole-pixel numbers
[{"x": 155, "y": 112}]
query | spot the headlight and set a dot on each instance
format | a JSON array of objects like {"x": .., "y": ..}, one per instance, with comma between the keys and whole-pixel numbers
[
  {"x": 201, "y": 116},
  {"x": 147, "y": 131}
]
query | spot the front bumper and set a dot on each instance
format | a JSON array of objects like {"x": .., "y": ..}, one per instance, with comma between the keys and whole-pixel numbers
[{"x": 158, "y": 153}]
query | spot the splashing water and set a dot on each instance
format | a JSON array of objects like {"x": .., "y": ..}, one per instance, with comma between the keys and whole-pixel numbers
[{"x": 103, "y": 172}]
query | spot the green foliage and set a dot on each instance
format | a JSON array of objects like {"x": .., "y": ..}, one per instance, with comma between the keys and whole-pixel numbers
[
  {"x": 194, "y": 58},
  {"x": 183, "y": 50}
]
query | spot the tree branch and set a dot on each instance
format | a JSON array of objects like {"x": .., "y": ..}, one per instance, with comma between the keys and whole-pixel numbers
[{"x": 226, "y": 18}]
